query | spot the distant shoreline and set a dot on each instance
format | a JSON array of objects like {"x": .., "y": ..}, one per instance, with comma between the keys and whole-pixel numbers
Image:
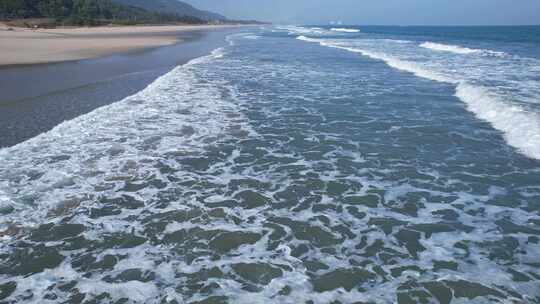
[{"x": 24, "y": 46}]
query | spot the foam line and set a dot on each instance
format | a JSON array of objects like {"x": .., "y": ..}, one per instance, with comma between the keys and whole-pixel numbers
[
  {"x": 521, "y": 128},
  {"x": 456, "y": 49},
  {"x": 345, "y": 30}
]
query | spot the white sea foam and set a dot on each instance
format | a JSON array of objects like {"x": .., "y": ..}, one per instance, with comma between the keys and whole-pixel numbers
[
  {"x": 411, "y": 67},
  {"x": 155, "y": 134},
  {"x": 396, "y": 41},
  {"x": 304, "y": 38},
  {"x": 345, "y": 30},
  {"x": 89, "y": 140},
  {"x": 135, "y": 291},
  {"x": 181, "y": 113},
  {"x": 299, "y": 30},
  {"x": 317, "y": 31},
  {"x": 456, "y": 49},
  {"x": 448, "y": 48},
  {"x": 521, "y": 128}
]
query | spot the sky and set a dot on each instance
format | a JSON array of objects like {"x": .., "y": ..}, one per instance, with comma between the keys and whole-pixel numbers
[{"x": 380, "y": 12}]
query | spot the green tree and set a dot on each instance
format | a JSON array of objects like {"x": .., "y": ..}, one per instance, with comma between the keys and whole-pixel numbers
[{"x": 85, "y": 12}]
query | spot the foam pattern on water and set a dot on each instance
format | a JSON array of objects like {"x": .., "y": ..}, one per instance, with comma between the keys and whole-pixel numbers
[
  {"x": 458, "y": 49},
  {"x": 502, "y": 90},
  {"x": 345, "y": 30},
  {"x": 260, "y": 176}
]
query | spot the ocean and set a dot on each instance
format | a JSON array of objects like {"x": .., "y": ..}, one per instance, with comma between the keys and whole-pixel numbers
[{"x": 295, "y": 164}]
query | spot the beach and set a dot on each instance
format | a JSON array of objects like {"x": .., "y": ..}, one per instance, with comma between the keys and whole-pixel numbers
[
  {"x": 37, "y": 97},
  {"x": 31, "y": 46}
]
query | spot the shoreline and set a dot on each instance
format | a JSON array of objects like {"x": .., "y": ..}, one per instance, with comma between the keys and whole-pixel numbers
[
  {"x": 37, "y": 97},
  {"x": 23, "y": 46}
]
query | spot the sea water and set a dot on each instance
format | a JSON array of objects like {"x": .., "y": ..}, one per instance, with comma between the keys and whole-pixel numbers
[{"x": 293, "y": 165}]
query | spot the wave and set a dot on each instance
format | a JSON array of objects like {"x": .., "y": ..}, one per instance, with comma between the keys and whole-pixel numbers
[
  {"x": 307, "y": 39},
  {"x": 298, "y": 30},
  {"x": 174, "y": 114},
  {"x": 406, "y": 66},
  {"x": 316, "y": 31},
  {"x": 345, "y": 30},
  {"x": 396, "y": 41},
  {"x": 456, "y": 49},
  {"x": 521, "y": 128},
  {"x": 448, "y": 48}
]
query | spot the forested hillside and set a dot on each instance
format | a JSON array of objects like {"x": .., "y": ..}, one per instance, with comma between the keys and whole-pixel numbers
[
  {"x": 87, "y": 12},
  {"x": 172, "y": 6}
]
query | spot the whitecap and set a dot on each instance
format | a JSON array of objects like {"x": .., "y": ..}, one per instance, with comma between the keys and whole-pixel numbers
[
  {"x": 520, "y": 127},
  {"x": 456, "y": 49},
  {"x": 344, "y": 30},
  {"x": 448, "y": 48}
]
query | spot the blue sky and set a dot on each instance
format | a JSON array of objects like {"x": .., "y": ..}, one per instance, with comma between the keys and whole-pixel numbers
[{"x": 394, "y": 12}]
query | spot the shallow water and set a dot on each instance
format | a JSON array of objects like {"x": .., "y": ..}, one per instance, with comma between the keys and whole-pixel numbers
[
  {"x": 35, "y": 98},
  {"x": 279, "y": 170}
]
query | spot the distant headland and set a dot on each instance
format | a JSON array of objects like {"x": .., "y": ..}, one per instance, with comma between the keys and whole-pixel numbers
[{"x": 54, "y": 13}]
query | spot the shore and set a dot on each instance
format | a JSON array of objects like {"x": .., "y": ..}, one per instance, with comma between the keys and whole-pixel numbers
[
  {"x": 20, "y": 46},
  {"x": 37, "y": 97}
]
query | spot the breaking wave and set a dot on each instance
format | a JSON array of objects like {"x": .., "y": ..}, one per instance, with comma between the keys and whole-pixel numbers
[
  {"x": 521, "y": 128},
  {"x": 345, "y": 30},
  {"x": 448, "y": 48},
  {"x": 456, "y": 49}
]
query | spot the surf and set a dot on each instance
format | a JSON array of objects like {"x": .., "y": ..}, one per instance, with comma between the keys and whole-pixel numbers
[
  {"x": 448, "y": 48},
  {"x": 344, "y": 30},
  {"x": 456, "y": 49},
  {"x": 520, "y": 127},
  {"x": 263, "y": 175},
  {"x": 162, "y": 114}
]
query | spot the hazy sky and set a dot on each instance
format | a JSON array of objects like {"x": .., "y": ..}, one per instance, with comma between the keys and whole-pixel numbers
[{"x": 398, "y": 12}]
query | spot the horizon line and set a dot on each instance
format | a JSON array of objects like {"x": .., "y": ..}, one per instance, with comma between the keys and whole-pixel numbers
[{"x": 411, "y": 25}]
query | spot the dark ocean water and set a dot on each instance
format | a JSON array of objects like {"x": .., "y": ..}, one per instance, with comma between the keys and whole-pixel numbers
[{"x": 294, "y": 165}]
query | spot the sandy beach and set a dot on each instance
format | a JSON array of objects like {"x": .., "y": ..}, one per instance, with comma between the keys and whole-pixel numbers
[
  {"x": 36, "y": 97},
  {"x": 27, "y": 46}
]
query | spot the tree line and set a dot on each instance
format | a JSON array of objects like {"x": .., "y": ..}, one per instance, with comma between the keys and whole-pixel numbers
[{"x": 86, "y": 12}]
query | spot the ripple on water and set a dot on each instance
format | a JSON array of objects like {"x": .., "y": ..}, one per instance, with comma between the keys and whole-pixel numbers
[{"x": 195, "y": 191}]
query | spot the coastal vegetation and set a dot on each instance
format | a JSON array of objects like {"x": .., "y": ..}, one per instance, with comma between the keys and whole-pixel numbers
[
  {"x": 88, "y": 12},
  {"x": 173, "y": 6}
]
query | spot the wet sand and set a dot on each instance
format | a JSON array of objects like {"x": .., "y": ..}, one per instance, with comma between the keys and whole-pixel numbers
[
  {"x": 27, "y": 46},
  {"x": 36, "y": 98}
]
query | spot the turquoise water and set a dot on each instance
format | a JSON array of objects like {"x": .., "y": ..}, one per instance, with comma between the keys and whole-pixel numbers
[{"x": 294, "y": 165}]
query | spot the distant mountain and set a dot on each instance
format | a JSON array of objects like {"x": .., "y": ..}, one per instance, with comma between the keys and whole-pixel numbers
[{"x": 173, "y": 7}]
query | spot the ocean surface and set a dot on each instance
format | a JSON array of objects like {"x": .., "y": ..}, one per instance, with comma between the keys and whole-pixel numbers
[{"x": 296, "y": 164}]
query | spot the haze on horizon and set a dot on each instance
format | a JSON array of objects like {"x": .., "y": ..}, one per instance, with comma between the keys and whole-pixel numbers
[{"x": 380, "y": 12}]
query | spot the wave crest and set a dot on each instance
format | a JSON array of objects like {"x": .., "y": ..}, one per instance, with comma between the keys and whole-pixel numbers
[
  {"x": 521, "y": 129},
  {"x": 456, "y": 49},
  {"x": 345, "y": 30},
  {"x": 448, "y": 48}
]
